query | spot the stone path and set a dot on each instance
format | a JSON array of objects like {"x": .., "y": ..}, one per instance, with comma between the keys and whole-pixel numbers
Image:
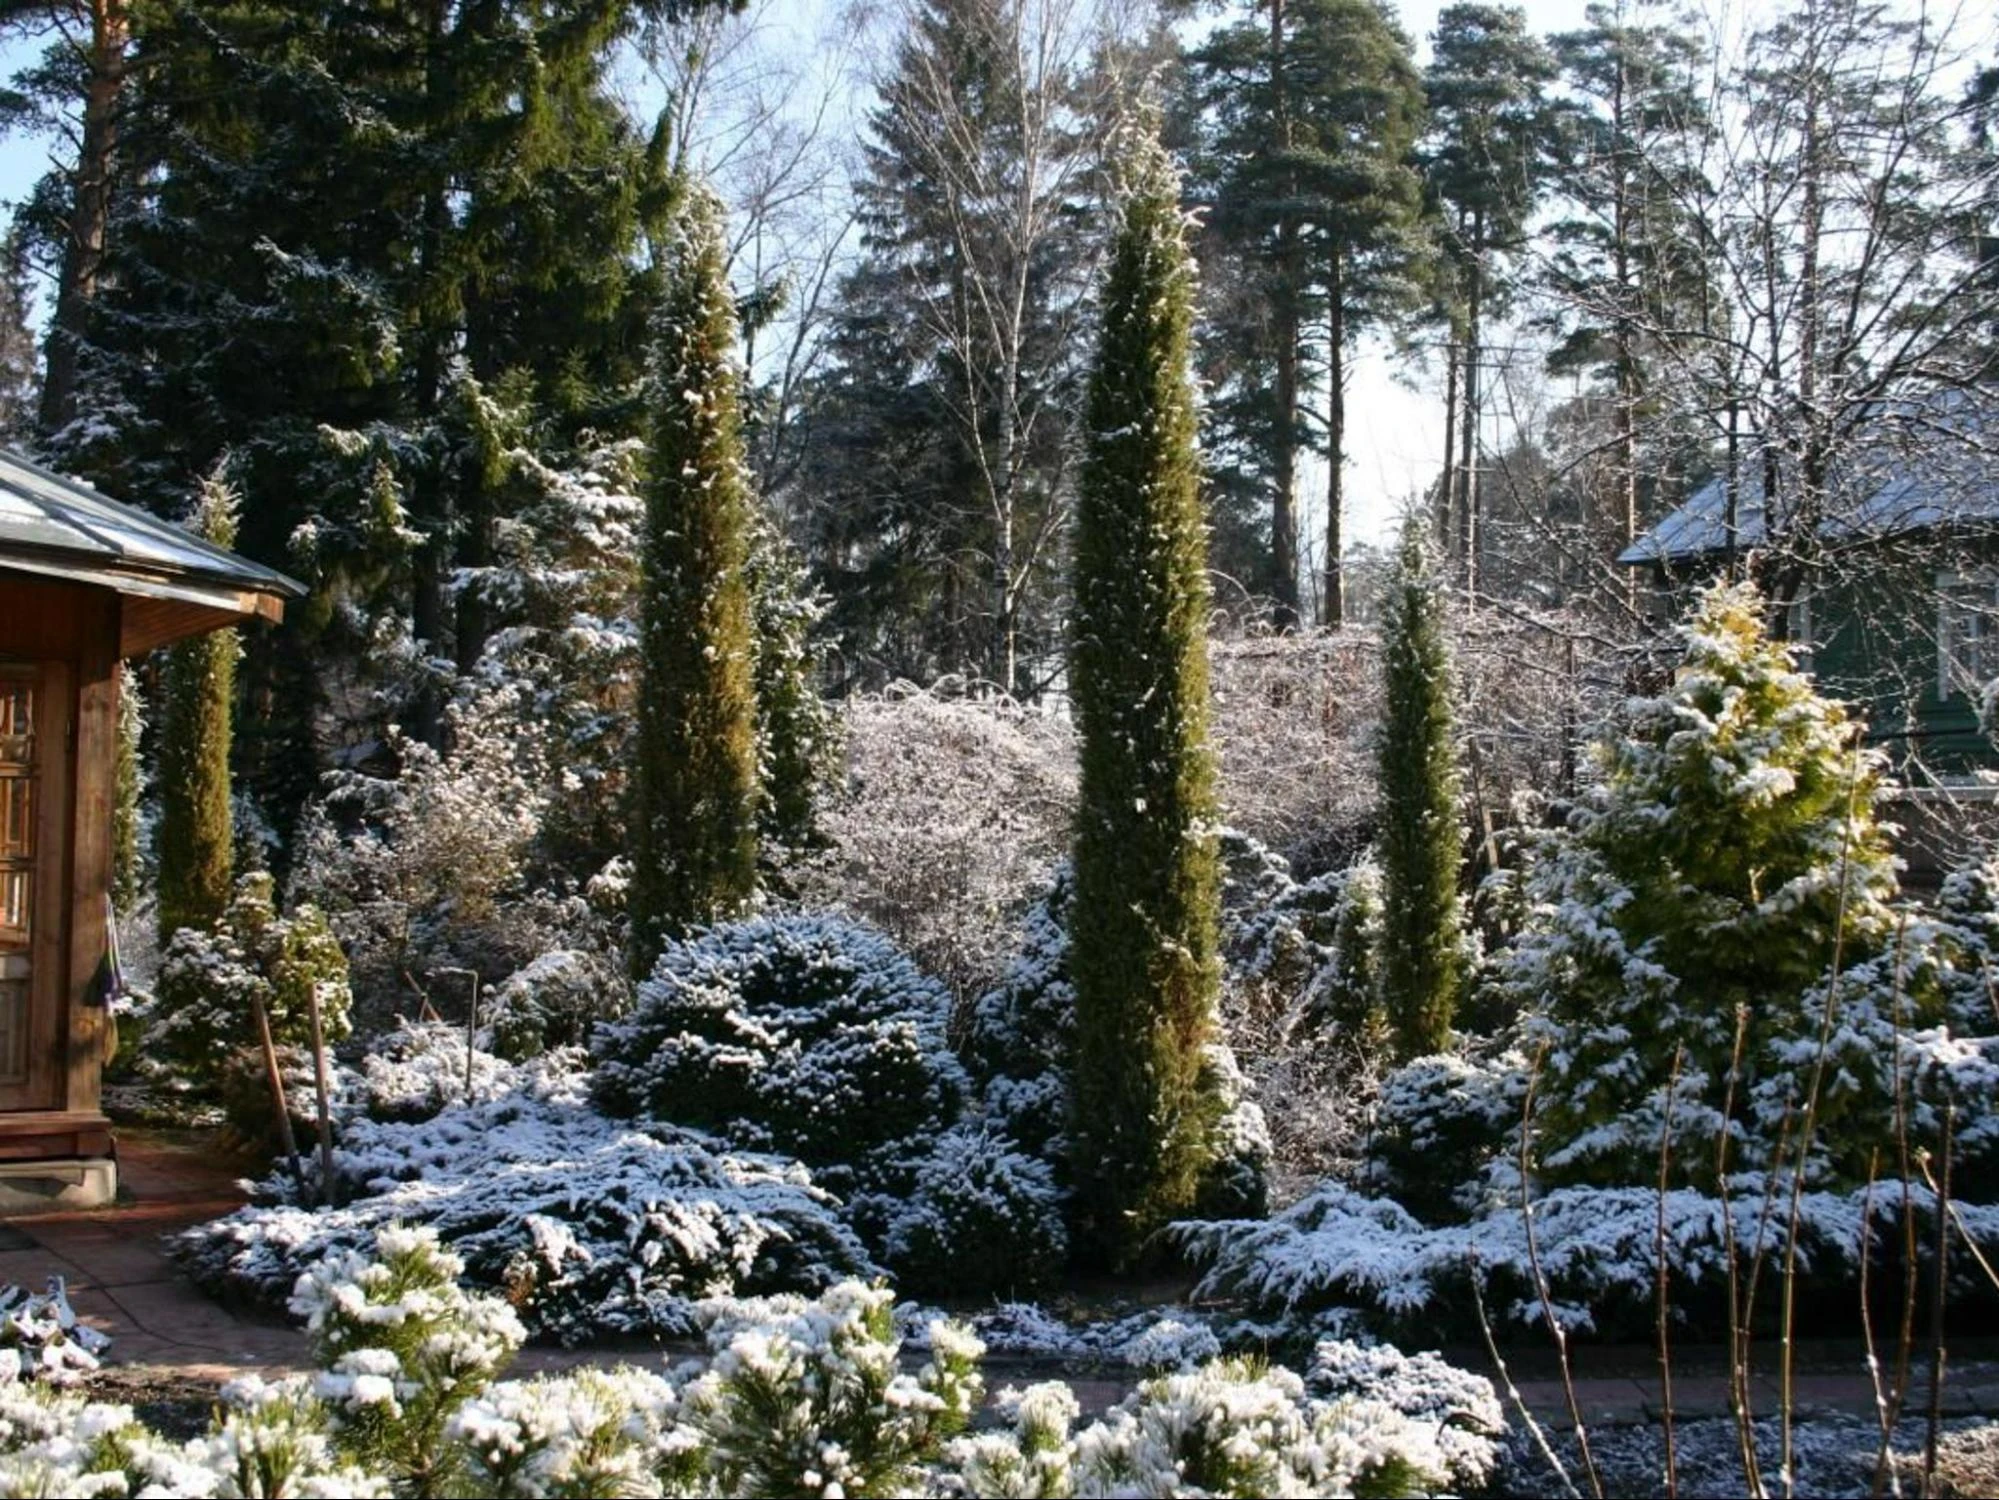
[{"x": 120, "y": 1281}]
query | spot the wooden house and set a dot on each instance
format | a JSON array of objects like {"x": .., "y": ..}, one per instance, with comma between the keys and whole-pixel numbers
[
  {"x": 84, "y": 583},
  {"x": 1900, "y": 617}
]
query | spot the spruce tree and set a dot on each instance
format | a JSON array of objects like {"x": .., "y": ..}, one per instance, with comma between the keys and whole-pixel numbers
[
  {"x": 694, "y": 828},
  {"x": 1145, "y": 923},
  {"x": 198, "y": 687},
  {"x": 1422, "y": 966}
]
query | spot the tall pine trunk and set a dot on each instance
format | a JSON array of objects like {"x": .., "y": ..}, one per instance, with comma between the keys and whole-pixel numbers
[
  {"x": 1145, "y": 929},
  {"x": 1469, "y": 539},
  {"x": 84, "y": 246},
  {"x": 1287, "y": 314},
  {"x": 1333, "y": 609}
]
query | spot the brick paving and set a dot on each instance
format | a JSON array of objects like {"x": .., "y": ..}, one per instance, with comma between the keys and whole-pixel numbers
[{"x": 120, "y": 1280}]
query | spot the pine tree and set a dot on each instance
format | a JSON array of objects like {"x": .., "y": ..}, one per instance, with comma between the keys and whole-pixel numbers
[
  {"x": 1308, "y": 123},
  {"x": 694, "y": 829},
  {"x": 1421, "y": 962},
  {"x": 1145, "y": 923},
  {"x": 1729, "y": 853},
  {"x": 198, "y": 687},
  {"x": 1489, "y": 124}
]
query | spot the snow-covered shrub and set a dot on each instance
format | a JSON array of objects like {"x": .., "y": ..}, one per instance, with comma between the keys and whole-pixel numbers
[
  {"x": 1425, "y": 1388},
  {"x": 418, "y": 870},
  {"x": 587, "y": 1225},
  {"x": 807, "y": 1034},
  {"x": 203, "y": 1012},
  {"x": 275, "y": 1438},
  {"x": 554, "y": 1001},
  {"x": 1438, "y": 1121},
  {"x": 422, "y": 1067},
  {"x": 806, "y": 1398},
  {"x": 1019, "y": 1034},
  {"x": 1292, "y": 720},
  {"x": 1598, "y": 1249},
  {"x": 1232, "y": 1428},
  {"x": 978, "y": 1215},
  {"x": 1728, "y": 855},
  {"x": 400, "y": 1347},
  {"x": 41, "y": 1338},
  {"x": 589, "y": 1433},
  {"x": 951, "y": 814}
]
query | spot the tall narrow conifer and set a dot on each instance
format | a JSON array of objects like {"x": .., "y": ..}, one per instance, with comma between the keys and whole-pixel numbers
[
  {"x": 1422, "y": 964},
  {"x": 1145, "y": 921},
  {"x": 694, "y": 837},
  {"x": 198, "y": 689}
]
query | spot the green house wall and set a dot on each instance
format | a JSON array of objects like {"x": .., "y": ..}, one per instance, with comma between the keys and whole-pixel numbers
[{"x": 1873, "y": 645}]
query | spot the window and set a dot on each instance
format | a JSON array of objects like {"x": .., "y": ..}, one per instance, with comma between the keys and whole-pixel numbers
[{"x": 1967, "y": 633}]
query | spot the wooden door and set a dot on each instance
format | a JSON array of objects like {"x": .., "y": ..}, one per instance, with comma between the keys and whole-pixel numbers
[{"x": 34, "y": 803}]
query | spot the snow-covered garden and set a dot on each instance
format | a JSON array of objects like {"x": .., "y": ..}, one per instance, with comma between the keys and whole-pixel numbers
[{"x": 587, "y": 942}]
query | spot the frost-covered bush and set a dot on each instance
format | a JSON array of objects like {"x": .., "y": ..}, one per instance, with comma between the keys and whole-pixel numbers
[
  {"x": 944, "y": 829},
  {"x": 203, "y": 1013},
  {"x": 806, "y": 1398},
  {"x": 798, "y": 1397},
  {"x": 978, "y": 1214},
  {"x": 1438, "y": 1122},
  {"x": 586, "y": 1434},
  {"x": 1727, "y": 856},
  {"x": 554, "y": 1001},
  {"x": 588, "y": 1225},
  {"x": 419, "y": 870},
  {"x": 1232, "y": 1428},
  {"x": 816, "y": 1038},
  {"x": 809, "y": 1035},
  {"x": 401, "y": 1346},
  {"x": 1425, "y": 1388},
  {"x": 1597, "y": 1247},
  {"x": 423, "y": 1067}
]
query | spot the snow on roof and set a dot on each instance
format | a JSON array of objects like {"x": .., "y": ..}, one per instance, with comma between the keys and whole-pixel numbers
[
  {"x": 1930, "y": 465},
  {"x": 64, "y": 528}
]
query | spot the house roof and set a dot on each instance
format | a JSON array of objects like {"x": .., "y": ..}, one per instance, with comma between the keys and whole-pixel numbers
[
  {"x": 1931, "y": 465},
  {"x": 177, "y": 584}
]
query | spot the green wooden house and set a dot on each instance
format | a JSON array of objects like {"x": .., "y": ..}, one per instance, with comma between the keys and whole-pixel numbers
[{"x": 1901, "y": 618}]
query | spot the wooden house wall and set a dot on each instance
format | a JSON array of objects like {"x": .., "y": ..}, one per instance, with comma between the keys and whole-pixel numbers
[{"x": 44, "y": 620}]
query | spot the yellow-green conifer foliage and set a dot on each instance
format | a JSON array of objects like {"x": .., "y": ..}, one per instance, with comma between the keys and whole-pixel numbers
[
  {"x": 1145, "y": 922},
  {"x": 694, "y": 833},
  {"x": 198, "y": 688},
  {"x": 1422, "y": 967}
]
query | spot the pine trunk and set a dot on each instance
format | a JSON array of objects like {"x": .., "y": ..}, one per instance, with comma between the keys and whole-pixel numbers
[{"x": 90, "y": 209}]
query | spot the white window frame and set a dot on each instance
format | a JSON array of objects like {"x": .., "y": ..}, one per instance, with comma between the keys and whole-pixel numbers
[{"x": 1967, "y": 598}]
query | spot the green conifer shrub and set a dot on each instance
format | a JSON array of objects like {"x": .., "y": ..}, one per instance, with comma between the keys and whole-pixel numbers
[
  {"x": 1728, "y": 855},
  {"x": 199, "y": 684},
  {"x": 1146, "y": 917},
  {"x": 797, "y": 733},
  {"x": 1422, "y": 966},
  {"x": 694, "y": 829}
]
